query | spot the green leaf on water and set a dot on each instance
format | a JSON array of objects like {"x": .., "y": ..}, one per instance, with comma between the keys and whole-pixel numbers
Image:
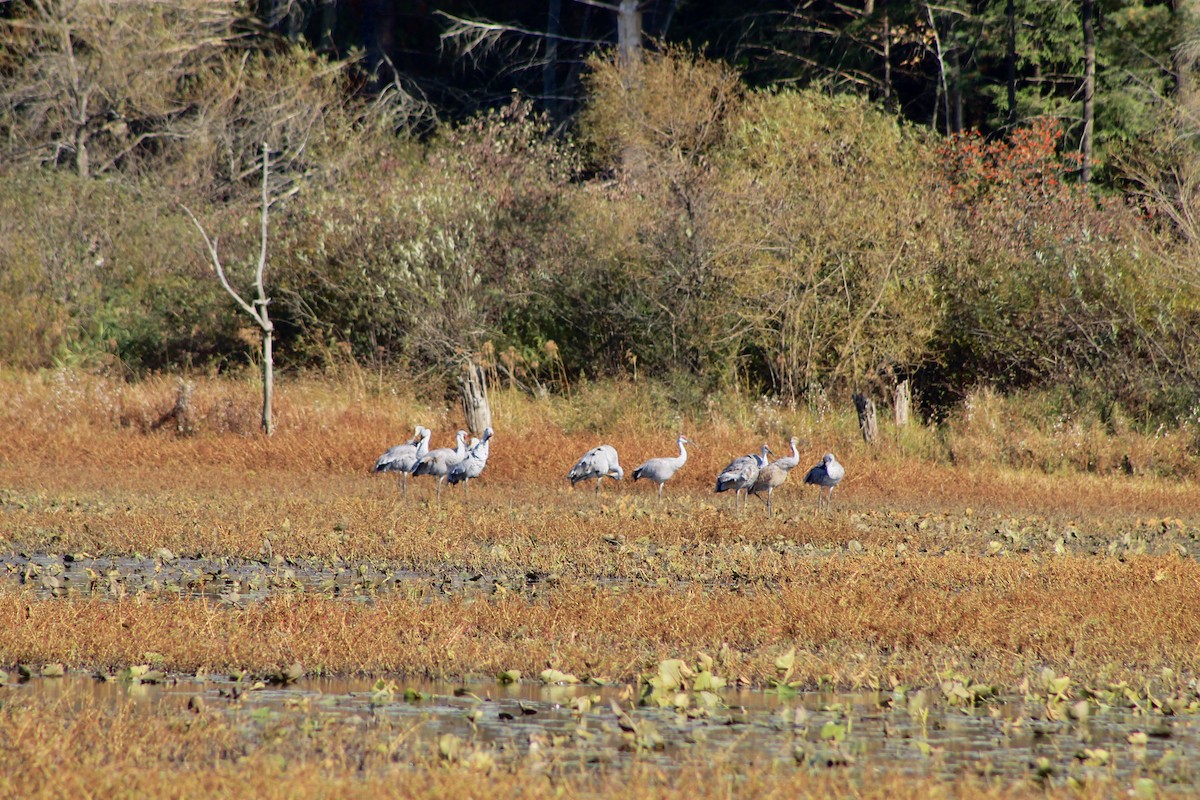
[
  {"x": 53, "y": 671},
  {"x": 670, "y": 677},
  {"x": 786, "y": 661},
  {"x": 509, "y": 676},
  {"x": 707, "y": 682},
  {"x": 833, "y": 730},
  {"x": 554, "y": 676},
  {"x": 1145, "y": 789},
  {"x": 412, "y": 695}
]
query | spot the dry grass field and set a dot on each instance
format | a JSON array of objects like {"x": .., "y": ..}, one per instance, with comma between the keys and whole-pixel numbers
[{"x": 940, "y": 557}]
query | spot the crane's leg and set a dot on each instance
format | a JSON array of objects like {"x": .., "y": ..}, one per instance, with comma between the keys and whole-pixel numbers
[
  {"x": 770, "y": 507},
  {"x": 405, "y": 481},
  {"x": 598, "y": 485},
  {"x": 466, "y": 489},
  {"x": 440, "y": 487},
  {"x": 660, "y": 493}
]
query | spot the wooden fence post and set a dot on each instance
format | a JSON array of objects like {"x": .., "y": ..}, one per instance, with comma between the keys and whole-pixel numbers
[{"x": 867, "y": 422}]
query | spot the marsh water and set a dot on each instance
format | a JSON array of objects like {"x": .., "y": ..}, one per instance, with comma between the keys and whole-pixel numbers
[
  {"x": 1008, "y": 738},
  {"x": 867, "y": 733}
]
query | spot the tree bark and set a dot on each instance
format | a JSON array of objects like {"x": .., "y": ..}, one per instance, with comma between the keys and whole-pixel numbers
[
  {"x": 887, "y": 57},
  {"x": 473, "y": 387},
  {"x": 629, "y": 31},
  {"x": 903, "y": 402},
  {"x": 1089, "y": 89},
  {"x": 867, "y": 421},
  {"x": 268, "y": 368}
]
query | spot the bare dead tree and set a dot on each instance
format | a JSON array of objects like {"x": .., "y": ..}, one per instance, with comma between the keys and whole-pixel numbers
[{"x": 258, "y": 308}]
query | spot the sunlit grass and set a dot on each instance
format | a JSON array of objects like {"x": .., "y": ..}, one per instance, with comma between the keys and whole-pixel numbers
[{"x": 941, "y": 558}]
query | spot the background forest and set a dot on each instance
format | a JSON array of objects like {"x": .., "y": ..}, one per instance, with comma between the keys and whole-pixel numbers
[{"x": 796, "y": 200}]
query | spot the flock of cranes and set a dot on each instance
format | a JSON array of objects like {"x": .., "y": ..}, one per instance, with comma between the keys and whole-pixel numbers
[{"x": 746, "y": 475}]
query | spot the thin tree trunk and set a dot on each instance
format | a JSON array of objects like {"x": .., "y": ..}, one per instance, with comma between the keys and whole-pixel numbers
[
  {"x": 550, "y": 67},
  {"x": 1089, "y": 89},
  {"x": 887, "y": 57},
  {"x": 1010, "y": 15},
  {"x": 268, "y": 367},
  {"x": 257, "y": 309},
  {"x": 956, "y": 87},
  {"x": 629, "y": 31}
]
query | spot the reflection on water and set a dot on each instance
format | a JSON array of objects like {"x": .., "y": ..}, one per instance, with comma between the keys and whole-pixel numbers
[{"x": 857, "y": 731}]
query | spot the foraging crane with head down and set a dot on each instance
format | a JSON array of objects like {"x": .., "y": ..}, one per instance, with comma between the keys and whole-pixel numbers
[{"x": 599, "y": 463}]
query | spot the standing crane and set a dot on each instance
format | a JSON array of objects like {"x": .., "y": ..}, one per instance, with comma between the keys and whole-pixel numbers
[
  {"x": 827, "y": 474},
  {"x": 661, "y": 470},
  {"x": 789, "y": 463},
  {"x": 403, "y": 457},
  {"x": 438, "y": 462},
  {"x": 773, "y": 475},
  {"x": 599, "y": 463},
  {"x": 741, "y": 474},
  {"x": 472, "y": 466}
]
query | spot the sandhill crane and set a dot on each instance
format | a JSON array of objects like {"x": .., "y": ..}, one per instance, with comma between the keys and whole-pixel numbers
[
  {"x": 438, "y": 462},
  {"x": 741, "y": 473},
  {"x": 403, "y": 457},
  {"x": 773, "y": 475},
  {"x": 828, "y": 473},
  {"x": 789, "y": 463},
  {"x": 472, "y": 466},
  {"x": 661, "y": 470},
  {"x": 599, "y": 463}
]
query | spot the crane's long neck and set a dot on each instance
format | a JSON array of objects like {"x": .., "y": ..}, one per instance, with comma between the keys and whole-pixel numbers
[
  {"x": 795, "y": 452},
  {"x": 682, "y": 454},
  {"x": 460, "y": 449},
  {"x": 763, "y": 458}
]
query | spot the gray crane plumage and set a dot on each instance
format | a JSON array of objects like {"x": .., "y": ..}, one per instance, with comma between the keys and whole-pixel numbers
[
  {"x": 472, "y": 465},
  {"x": 661, "y": 470},
  {"x": 789, "y": 463},
  {"x": 741, "y": 473},
  {"x": 438, "y": 462},
  {"x": 773, "y": 475},
  {"x": 599, "y": 463},
  {"x": 404, "y": 457},
  {"x": 826, "y": 475}
]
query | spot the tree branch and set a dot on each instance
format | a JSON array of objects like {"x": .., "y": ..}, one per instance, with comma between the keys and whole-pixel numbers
[{"x": 212, "y": 250}]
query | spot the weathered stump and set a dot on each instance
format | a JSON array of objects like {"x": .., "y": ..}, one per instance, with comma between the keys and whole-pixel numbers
[
  {"x": 180, "y": 414},
  {"x": 902, "y": 397},
  {"x": 867, "y": 421},
  {"x": 473, "y": 387}
]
